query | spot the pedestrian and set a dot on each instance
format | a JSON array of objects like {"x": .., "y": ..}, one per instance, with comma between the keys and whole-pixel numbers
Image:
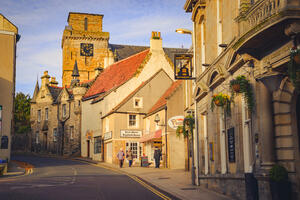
[
  {"x": 120, "y": 157},
  {"x": 129, "y": 157},
  {"x": 157, "y": 156}
]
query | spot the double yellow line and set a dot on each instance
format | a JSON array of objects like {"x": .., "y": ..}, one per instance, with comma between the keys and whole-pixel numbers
[{"x": 133, "y": 178}]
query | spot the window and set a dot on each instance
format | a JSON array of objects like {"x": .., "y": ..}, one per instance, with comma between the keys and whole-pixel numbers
[
  {"x": 64, "y": 110},
  {"x": 54, "y": 134},
  {"x": 39, "y": 115},
  {"x": 132, "y": 121},
  {"x": 37, "y": 137},
  {"x": 133, "y": 146},
  {"x": 97, "y": 144},
  {"x": 46, "y": 113},
  {"x": 71, "y": 132},
  {"x": 138, "y": 102},
  {"x": 85, "y": 24}
]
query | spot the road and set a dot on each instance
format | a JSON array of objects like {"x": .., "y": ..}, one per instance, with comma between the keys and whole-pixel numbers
[{"x": 61, "y": 179}]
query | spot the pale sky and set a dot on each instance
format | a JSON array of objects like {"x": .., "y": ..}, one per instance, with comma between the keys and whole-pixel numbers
[{"x": 41, "y": 24}]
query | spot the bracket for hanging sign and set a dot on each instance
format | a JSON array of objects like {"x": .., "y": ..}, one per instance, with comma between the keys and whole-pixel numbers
[{"x": 183, "y": 66}]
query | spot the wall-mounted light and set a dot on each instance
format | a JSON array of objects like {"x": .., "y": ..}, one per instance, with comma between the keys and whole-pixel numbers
[
  {"x": 183, "y": 31},
  {"x": 223, "y": 45}
]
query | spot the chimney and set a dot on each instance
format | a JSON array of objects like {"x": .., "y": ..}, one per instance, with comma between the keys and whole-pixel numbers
[
  {"x": 155, "y": 42},
  {"x": 53, "y": 82},
  {"x": 45, "y": 78}
]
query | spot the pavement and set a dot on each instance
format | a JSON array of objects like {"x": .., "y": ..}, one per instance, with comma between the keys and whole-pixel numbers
[
  {"x": 174, "y": 182},
  {"x": 17, "y": 168}
]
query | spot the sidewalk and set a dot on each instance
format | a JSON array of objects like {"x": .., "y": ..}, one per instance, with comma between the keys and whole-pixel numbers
[
  {"x": 175, "y": 182},
  {"x": 14, "y": 169}
]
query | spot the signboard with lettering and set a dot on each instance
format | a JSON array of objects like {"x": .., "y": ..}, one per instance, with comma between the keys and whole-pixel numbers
[
  {"x": 131, "y": 134},
  {"x": 175, "y": 121},
  {"x": 231, "y": 144},
  {"x": 183, "y": 66},
  {"x": 107, "y": 135}
]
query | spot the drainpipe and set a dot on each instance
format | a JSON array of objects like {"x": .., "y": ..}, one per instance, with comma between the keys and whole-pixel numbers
[{"x": 166, "y": 129}]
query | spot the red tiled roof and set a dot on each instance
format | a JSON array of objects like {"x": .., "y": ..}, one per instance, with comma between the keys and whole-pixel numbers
[
  {"x": 116, "y": 74},
  {"x": 162, "y": 100}
]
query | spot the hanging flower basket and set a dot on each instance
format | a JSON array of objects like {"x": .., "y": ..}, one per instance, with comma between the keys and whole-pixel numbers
[
  {"x": 241, "y": 85},
  {"x": 183, "y": 130},
  {"x": 221, "y": 100}
]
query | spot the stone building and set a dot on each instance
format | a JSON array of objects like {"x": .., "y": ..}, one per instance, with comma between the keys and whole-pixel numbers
[
  {"x": 253, "y": 39},
  {"x": 8, "y": 47},
  {"x": 56, "y": 115},
  {"x": 84, "y": 41}
]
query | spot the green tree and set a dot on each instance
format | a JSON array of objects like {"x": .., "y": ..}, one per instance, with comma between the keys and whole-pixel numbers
[{"x": 22, "y": 113}]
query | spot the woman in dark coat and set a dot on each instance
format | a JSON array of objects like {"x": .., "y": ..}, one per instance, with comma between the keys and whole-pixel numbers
[{"x": 157, "y": 156}]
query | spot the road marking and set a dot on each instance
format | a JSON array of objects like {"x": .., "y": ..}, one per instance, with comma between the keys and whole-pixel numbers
[{"x": 132, "y": 177}]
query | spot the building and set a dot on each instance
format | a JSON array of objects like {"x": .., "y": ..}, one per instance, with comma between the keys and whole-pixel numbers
[
  {"x": 160, "y": 126},
  {"x": 8, "y": 47},
  {"x": 84, "y": 41},
  {"x": 111, "y": 107},
  {"x": 252, "y": 39},
  {"x": 56, "y": 115}
]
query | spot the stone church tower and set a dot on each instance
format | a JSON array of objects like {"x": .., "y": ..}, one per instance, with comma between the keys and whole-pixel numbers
[{"x": 84, "y": 41}]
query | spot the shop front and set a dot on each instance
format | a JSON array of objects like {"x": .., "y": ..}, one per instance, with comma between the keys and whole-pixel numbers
[{"x": 151, "y": 141}]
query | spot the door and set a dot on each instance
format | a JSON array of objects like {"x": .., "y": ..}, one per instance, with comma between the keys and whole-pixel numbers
[
  {"x": 45, "y": 141},
  {"x": 88, "y": 148}
]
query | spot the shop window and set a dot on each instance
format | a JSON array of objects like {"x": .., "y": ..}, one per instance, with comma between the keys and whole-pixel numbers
[
  {"x": 134, "y": 147},
  {"x": 39, "y": 115},
  {"x": 138, "y": 102},
  {"x": 46, "y": 113},
  {"x": 71, "y": 132},
  {"x": 132, "y": 121},
  {"x": 54, "y": 134},
  {"x": 97, "y": 144}
]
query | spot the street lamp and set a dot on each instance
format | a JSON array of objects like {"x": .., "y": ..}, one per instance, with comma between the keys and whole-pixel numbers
[{"x": 186, "y": 31}]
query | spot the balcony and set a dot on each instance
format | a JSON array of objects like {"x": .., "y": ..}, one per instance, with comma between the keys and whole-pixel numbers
[{"x": 262, "y": 25}]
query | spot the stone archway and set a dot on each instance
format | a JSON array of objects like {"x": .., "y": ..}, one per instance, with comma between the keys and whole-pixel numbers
[{"x": 286, "y": 101}]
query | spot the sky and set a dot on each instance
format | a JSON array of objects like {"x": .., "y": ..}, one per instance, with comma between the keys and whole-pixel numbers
[{"x": 41, "y": 23}]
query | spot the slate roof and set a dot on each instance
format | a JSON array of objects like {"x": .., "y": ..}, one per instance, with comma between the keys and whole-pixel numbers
[
  {"x": 116, "y": 74},
  {"x": 54, "y": 90},
  {"x": 162, "y": 100},
  {"x": 123, "y": 51}
]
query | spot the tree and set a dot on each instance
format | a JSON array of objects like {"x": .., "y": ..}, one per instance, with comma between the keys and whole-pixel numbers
[{"x": 22, "y": 113}]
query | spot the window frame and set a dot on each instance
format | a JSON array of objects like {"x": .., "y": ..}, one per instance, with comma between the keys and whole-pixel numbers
[
  {"x": 64, "y": 110},
  {"x": 97, "y": 145},
  {"x": 46, "y": 113},
  {"x": 71, "y": 132},
  {"x": 140, "y": 102},
  {"x": 54, "y": 134},
  {"x": 39, "y": 115},
  {"x": 136, "y": 125}
]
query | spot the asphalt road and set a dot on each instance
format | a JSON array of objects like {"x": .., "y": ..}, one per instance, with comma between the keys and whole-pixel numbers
[{"x": 59, "y": 179}]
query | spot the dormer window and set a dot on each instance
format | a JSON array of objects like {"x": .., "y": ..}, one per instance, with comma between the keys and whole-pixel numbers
[
  {"x": 46, "y": 113},
  {"x": 137, "y": 102},
  {"x": 64, "y": 110}
]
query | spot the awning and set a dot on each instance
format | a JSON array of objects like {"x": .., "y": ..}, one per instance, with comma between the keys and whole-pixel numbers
[{"x": 151, "y": 136}]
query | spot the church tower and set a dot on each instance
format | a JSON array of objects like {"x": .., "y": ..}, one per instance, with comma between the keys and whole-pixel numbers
[{"x": 83, "y": 41}]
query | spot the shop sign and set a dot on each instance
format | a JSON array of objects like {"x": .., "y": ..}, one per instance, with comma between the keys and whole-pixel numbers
[
  {"x": 107, "y": 135},
  {"x": 89, "y": 135},
  {"x": 175, "y": 121},
  {"x": 183, "y": 66},
  {"x": 131, "y": 133},
  {"x": 231, "y": 145}
]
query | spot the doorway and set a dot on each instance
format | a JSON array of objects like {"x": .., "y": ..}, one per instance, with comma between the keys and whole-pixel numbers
[{"x": 45, "y": 141}]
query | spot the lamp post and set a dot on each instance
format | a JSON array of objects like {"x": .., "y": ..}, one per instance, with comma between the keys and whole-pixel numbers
[{"x": 186, "y": 31}]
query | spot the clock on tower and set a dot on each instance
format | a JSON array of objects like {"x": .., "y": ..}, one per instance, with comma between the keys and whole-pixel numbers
[{"x": 86, "y": 49}]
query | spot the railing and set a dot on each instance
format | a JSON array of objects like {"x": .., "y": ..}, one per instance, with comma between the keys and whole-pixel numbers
[{"x": 262, "y": 10}]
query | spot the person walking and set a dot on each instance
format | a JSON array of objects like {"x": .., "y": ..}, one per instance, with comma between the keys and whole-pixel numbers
[
  {"x": 120, "y": 157},
  {"x": 129, "y": 157},
  {"x": 157, "y": 156}
]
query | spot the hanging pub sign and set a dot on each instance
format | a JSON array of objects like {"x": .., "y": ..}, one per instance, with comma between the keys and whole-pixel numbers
[
  {"x": 231, "y": 145},
  {"x": 183, "y": 66}
]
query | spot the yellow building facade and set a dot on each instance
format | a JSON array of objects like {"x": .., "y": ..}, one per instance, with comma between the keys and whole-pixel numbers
[{"x": 8, "y": 41}]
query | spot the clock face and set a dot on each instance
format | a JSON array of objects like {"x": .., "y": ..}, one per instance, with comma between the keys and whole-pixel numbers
[{"x": 86, "y": 49}]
